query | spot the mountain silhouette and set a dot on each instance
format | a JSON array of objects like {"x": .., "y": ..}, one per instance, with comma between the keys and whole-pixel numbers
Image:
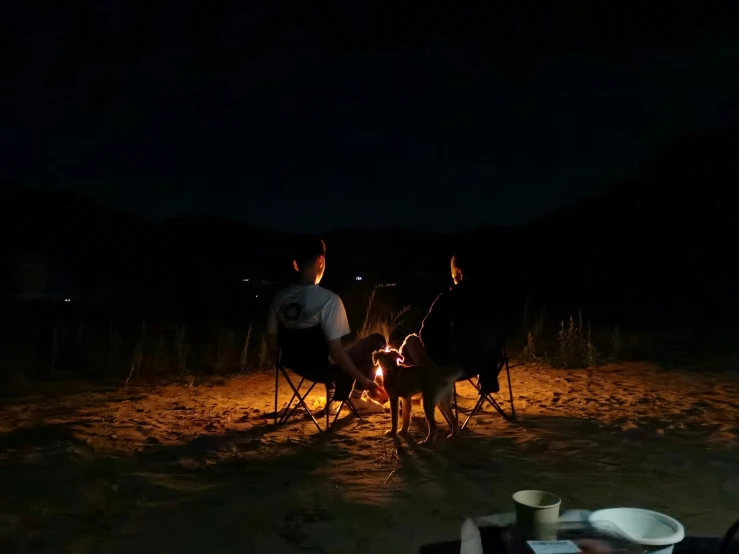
[{"x": 658, "y": 247}]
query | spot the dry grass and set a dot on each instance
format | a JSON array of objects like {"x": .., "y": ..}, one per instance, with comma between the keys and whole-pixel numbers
[
  {"x": 245, "y": 351},
  {"x": 572, "y": 347},
  {"x": 385, "y": 325},
  {"x": 262, "y": 352},
  {"x": 182, "y": 349},
  {"x": 366, "y": 329}
]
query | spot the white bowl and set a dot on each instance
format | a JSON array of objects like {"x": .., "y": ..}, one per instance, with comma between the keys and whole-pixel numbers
[{"x": 655, "y": 532}]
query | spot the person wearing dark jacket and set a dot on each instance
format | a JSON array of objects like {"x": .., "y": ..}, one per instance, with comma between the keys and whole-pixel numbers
[{"x": 464, "y": 326}]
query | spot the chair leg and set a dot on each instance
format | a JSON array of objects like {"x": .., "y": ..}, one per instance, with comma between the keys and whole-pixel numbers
[
  {"x": 494, "y": 402},
  {"x": 330, "y": 427},
  {"x": 301, "y": 402},
  {"x": 352, "y": 409},
  {"x": 290, "y": 409},
  {"x": 290, "y": 412},
  {"x": 477, "y": 408},
  {"x": 344, "y": 403},
  {"x": 447, "y": 419},
  {"x": 497, "y": 407},
  {"x": 287, "y": 413},
  {"x": 490, "y": 400}
]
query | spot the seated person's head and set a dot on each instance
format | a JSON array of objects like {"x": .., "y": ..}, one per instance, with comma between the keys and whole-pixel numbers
[
  {"x": 458, "y": 266},
  {"x": 309, "y": 259}
]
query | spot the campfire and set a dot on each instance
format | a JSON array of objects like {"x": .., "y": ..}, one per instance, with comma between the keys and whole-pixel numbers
[{"x": 378, "y": 372}]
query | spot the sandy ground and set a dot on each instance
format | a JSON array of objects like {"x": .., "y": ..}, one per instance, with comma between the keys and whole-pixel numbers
[{"x": 200, "y": 468}]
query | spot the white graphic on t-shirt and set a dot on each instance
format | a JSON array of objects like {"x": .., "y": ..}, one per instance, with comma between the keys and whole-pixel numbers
[{"x": 304, "y": 306}]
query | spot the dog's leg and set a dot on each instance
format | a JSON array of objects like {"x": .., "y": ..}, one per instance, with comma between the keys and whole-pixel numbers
[
  {"x": 445, "y": 405},
  {"x": 429, "y": 410},
  {"x": 393, "y": 431},
  {"x": 406, "y": 407}
]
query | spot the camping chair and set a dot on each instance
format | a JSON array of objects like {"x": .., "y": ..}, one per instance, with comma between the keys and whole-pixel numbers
[
  {"x": 305, "y": 353},
  {"x": 486, "y": 396}
]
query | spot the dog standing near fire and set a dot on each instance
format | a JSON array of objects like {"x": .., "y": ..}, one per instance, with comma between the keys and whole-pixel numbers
[{"x": 401, "y": 382}]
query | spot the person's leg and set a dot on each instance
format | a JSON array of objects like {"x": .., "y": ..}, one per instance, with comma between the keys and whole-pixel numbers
[
  {"x": 480, "y": 356},
  {"x": 489, "y": 378},
  {"x": 343, "y": 383},
  {"x": 494, "y": 356},
  {"x": 330, "y": 392},
  {"x": 328, "y": 376},
  {"x": 360, "y": 353},
  {"x": 345, "y": 392}
]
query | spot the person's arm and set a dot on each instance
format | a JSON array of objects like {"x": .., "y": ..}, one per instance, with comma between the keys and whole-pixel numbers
[
  {"x": 436, "y": 329},
  {"x": 342, "y": 359},
  {"x": 336, "y": 325},
  {"x": 438, "y": 318}
]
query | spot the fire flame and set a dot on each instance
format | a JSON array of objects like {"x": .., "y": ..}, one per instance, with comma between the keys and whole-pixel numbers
[{"x": 378, "y": 373}]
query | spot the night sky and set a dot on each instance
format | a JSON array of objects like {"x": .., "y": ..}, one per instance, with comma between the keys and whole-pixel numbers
[{"x": 307, "y": 118}]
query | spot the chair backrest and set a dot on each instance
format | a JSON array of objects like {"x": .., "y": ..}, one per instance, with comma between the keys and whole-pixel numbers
[
  {"x": 477, "y": 337},
  {"x": 479, "y": 350},
  {"x": 303, "y": 350}
]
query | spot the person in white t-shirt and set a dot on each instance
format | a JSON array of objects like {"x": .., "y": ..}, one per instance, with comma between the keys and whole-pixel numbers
[{"x": 304, "y": 305}]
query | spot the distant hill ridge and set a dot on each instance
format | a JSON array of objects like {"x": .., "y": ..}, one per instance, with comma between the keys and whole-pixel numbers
[{"x": 668, "y": 234}]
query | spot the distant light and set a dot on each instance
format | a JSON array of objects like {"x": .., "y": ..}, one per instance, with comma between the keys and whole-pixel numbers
[
  {"x": 67, "y": 299},
  {"x": 245, "y": 280},
  {"x": 358, "y": 278},
  {"x": 257, "y": 296}
]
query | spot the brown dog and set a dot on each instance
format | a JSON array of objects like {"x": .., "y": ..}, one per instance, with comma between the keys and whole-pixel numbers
[
  {"x": 404, "y": 381},
  {"x": 413, "y": 351}
]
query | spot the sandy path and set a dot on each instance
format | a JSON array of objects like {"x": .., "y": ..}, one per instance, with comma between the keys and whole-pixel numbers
[{"x": 199, "y": 468}]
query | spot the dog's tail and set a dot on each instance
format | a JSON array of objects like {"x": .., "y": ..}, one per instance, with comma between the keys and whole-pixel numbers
[
  {"x": 447, "y": 390},
  {"x": 454, "y": 375}
]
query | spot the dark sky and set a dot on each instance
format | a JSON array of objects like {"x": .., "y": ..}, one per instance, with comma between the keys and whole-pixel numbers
[{"x": 299, "y": 117}]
